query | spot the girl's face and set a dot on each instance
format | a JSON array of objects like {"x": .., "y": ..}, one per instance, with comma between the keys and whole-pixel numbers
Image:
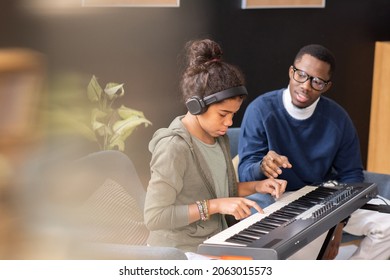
[{"x": 219, "y": 116}]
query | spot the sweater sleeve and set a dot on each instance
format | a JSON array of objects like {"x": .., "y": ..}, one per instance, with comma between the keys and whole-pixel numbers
[
  {"x": 348, "y": 163},
  {"x": 253, "y": 145},
  {"x": 168, "y": 165}
]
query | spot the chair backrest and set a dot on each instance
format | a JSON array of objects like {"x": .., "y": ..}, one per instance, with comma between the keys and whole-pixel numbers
[
  {"x": 113, "y": 165},
  {"x": 382, "y": 180},
  {"x": 112, "y": 211},
  {"x": 111, "y": 215},
  {"x": 233, "y": 134}
]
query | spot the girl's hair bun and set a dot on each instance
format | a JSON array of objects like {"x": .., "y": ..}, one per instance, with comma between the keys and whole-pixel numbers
[{"x": 201, "y": 52}]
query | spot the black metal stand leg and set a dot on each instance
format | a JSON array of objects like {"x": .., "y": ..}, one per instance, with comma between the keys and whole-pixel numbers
[
  {"x": 326, "y": 252},
  {"x": 326, "y": 243}
]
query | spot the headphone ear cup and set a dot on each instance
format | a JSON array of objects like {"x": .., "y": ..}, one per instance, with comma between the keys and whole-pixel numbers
[{"x": 195, "y": 105}]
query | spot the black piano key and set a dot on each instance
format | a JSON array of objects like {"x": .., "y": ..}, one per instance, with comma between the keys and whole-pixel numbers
[
  {"x": 311, "y": 199},
  {"x": 254, "y": 231},
  {"x": 241, "y": 239},
  {"x": 292, "y": 210},
  {"x": 286, "y": 214},
  {"x": 270, "y": 223},
  {"x": 274, "y": 221},
  {"x": 238, "y": 241},
  {"x": 299, "y": 207},
  {"x": 281, "y": 217},
  {"x": 304, "y": 203},
  {"x": 265, "y": 226},
  {"x": 251, "y": 233}
]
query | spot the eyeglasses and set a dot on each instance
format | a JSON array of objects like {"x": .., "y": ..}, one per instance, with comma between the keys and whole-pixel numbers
[{"x": 315, "y": 82}]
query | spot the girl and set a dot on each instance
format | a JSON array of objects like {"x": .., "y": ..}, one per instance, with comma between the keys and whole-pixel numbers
[{"x": 193, "y": 186}]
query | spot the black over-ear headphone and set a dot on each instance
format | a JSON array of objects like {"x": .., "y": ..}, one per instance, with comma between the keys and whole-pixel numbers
[{"x": 197, "y": 105}]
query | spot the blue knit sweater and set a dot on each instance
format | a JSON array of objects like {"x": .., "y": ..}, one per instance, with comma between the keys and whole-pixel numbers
[{"x": 316, "y": 147}]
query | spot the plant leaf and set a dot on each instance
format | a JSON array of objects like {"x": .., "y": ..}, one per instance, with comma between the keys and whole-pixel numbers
[
  {"x": 99, "y": 127},
  {"x": 124, "y": 128},
  {"x": 126, "y": 113},
  {"x": 94, "y": 90},
  {"x": 114, "y": 90}
]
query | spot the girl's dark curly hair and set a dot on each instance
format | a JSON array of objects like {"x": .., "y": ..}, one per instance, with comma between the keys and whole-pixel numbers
[{"x": 206, "y": 73}]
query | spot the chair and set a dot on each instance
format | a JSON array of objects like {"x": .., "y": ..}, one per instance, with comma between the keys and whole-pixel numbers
[
  {"x": 114, "y": 212},
  {"x": 95, "y": 204},
  {"x": 382, "y": 180},
  {"x": 383, "y": 185},
  {"x": 116, "y": 166},
  {"x": 233, "y": 133}
]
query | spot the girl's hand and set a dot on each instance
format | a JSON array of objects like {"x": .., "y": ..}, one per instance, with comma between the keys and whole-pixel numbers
[
  {"x": 275, "y": 187},
  {"x": 238, "y": 207}
]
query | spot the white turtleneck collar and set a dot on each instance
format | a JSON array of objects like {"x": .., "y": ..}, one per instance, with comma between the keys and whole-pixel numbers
[{"x": 295, "y": 112}]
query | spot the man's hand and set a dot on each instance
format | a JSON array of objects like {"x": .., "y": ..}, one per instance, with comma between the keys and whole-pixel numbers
[{"x": 271, "y": 164}]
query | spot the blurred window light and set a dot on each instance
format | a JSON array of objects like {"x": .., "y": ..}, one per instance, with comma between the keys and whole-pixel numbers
[
  {"x": 78, "y": 6},
  {"x": 52, "y": 4},
  {"x": 42, "y": 7},
  {"x": 270, "y": 4},
  {"x": 130, "y": 3}
]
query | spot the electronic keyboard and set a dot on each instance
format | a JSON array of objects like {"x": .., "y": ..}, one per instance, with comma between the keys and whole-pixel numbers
[{"x": 290, "y": 223}]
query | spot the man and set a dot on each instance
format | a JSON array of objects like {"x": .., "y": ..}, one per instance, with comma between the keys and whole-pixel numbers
[{"x": 299, "y": 135}]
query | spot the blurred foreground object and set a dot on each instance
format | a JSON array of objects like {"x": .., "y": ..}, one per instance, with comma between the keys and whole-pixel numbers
[
  {"x": 22, "y": 76},
  {"x": 67, "y": 209},
  {"x": 22, "y": 73}
]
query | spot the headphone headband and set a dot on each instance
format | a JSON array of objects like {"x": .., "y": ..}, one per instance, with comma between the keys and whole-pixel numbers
[
  {"x": 224, "y": 94},
  {"x": 197, "y": 105}
]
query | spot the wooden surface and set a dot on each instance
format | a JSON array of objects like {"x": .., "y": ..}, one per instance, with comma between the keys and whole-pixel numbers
[
  {"x": 283, "y": 4},
  {"x": 379, "y": 135}
]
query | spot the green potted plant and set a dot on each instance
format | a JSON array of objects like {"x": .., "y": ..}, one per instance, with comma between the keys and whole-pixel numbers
[{"x": 110, "y": 126}]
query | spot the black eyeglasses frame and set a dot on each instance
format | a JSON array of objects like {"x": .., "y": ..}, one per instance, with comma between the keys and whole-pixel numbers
[{"x": 310, "y": 78}]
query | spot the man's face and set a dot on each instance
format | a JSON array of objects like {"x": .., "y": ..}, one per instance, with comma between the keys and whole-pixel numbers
[{"x": 317, "y": 74}]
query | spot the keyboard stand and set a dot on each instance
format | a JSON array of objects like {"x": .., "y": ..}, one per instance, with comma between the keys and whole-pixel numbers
[
  {"x": 337, "y": 230},
  {"x": 334, "y": 236}
]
